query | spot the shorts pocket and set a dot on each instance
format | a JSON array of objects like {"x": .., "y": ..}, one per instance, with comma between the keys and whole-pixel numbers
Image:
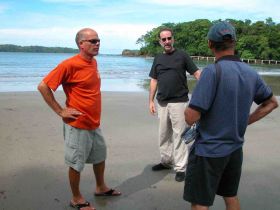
[
  {"x": 71, "y": 145},
  {"x": 71, "y": 153}
]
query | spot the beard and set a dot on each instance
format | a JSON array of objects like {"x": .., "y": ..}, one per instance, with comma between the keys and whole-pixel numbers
[{"x": 168, "y": 48}]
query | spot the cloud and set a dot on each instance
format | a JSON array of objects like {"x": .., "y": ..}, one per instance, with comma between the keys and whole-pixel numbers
[
  {"x": 206, "y": 3},
  {"x": 113, "y": 36},
  {"x": 249, "y": 6},
  {"x": 122, "y": 35},
  {"x": 59, "y": 37}
]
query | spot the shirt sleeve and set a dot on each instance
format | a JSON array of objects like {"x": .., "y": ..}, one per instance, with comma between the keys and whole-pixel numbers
[
  {"x": 190, "y": 65},
  {"x": 56, "y": 77},
  {"x": 204, "y": 91},
  {"x": 263, "y": 91},
  {"x": 153, "y": 72}
]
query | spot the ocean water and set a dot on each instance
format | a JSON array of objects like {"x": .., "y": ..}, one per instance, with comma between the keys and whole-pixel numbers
[{"x": 23, "y": 71}]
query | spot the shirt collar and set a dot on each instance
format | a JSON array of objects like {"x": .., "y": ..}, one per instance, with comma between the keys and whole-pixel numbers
[{"x": 229, "y": 58}]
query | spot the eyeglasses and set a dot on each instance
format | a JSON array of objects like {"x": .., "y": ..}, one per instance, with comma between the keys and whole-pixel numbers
[
  {"x": 92, "y": 41},
  {"x": 166, "y": 38}
]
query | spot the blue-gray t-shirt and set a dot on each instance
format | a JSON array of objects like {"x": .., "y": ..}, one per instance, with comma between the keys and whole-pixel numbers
[{"x": 225, "y": 112}]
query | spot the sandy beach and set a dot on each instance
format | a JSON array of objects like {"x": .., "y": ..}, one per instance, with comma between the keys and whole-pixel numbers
[{"x": 33, "y": 175}]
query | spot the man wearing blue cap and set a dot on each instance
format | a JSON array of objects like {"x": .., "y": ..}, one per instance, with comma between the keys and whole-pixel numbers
[{"x": 221, "y": 101}]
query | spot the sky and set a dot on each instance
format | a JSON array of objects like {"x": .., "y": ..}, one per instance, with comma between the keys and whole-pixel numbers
[{"x": 119, "y": 23}]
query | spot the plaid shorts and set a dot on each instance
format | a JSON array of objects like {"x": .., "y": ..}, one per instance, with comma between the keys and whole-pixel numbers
[{"x": 83, "y": 146}]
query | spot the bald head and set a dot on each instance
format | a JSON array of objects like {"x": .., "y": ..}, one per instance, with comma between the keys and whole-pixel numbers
[{"x": 83, "y": 34}]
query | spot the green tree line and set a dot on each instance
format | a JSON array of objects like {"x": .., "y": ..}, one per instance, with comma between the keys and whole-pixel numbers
[
  {"x": 36, "y": 49},
  {"x": 258, "y": 40}
]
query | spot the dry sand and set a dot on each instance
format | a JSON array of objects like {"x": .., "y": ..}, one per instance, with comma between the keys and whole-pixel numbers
[{"x": 33, "y": 174}]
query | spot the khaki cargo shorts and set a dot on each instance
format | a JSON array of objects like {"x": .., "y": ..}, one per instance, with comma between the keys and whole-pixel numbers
[{"x": 83, "y": 146}]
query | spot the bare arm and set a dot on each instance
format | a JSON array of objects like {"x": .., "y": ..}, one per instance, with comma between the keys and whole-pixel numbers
[
  {"x": 197, "y": 74},
  {"x": 191, "y": 116},
  {"x": 262, "y": 110},
  {"x": 48, "y": 96},
  {"x": 153, "y": 89}
]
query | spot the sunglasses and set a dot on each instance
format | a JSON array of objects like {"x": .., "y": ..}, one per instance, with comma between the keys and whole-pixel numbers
[
  {"x": 167, "y": 38},
  {"x": 92, "y": 41}
]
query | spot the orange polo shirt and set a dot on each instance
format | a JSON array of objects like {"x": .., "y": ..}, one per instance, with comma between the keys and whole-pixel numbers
[{"x": 81, "y": 83}]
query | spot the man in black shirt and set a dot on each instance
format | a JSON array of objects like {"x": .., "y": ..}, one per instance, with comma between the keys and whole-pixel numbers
[{"x": 168, "y": 79}]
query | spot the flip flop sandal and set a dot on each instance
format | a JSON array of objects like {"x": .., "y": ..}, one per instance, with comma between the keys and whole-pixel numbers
[
  {"x": 79, "y": 206},
  {"x": 110, "y": 192}
]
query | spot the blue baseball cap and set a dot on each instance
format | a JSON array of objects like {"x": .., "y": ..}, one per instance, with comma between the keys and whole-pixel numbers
[{"x": 219, "y": 31}]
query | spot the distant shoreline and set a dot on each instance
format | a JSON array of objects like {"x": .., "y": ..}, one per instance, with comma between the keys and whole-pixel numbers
[
  {"x": 125, "y": 52},
  {"x": 36, "y": 49}
]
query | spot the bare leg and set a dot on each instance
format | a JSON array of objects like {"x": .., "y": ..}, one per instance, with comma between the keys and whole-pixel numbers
[
  {"x": 101, "y": 186},
  {"x": 74, "y": 179},
  {"x": 99, "y": 170},
  {"x": 199, "y": 207},
  {"x": 232, "y": 203}
]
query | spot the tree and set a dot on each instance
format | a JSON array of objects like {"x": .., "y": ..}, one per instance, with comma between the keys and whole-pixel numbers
[{"x": 259, "y": 40}]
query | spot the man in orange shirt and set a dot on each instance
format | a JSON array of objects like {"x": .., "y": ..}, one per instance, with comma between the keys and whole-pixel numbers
[{"x": 84, "y": 142}]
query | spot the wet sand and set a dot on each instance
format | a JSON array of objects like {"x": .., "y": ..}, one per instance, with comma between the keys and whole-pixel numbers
[{"x": 33, "y": 174}]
